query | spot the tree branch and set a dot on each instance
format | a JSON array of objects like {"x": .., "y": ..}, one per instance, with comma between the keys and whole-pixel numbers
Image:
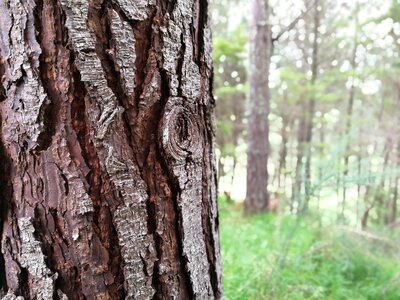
[{"x": 294, "y": 22}]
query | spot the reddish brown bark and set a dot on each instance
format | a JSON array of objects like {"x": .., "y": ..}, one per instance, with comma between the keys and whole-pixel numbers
[{"x": 107, "y": 174}]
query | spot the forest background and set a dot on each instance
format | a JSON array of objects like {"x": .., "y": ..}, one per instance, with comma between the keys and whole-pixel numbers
[{"x": 334, "y": 151}]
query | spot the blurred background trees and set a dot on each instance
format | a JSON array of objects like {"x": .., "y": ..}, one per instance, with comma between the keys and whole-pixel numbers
[
  {"x": 332, "y": 96},
  {"x": 334, "y": 100}
]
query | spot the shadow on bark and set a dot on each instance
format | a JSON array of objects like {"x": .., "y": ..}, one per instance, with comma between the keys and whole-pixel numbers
[{"x": 5, "y": 194}]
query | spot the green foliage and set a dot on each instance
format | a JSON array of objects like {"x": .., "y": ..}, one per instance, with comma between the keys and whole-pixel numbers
[
  {"x": 230, "y": 91},
  {"x": 321, "y": 263},
  {"x": 232, "y": 48},
  {"x": 394, "y": 11}
]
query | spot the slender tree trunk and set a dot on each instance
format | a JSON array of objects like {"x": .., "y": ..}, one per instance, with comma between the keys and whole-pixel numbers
[
  {"x": 366, "y": 198},
  {"x": 108, "y": 182},
  {"x": 380, "y": 187},
  {"x": 233, "y": 172},
  {"x": 299, "y": 176},
  {"x": 311, "y": 105},
  {"x": 258, "y": 128},
  {"x": 321, "y": 155},
  {"x": 359, "y": 174},
  {"x": 347, "y": 149},
  {"x": 283, "y": 151},
  {"x": 365, "y": 216},
  {"x": 359, "y": 166},
  {"x": 368, "y": 189},
  {"x": 221, "y": 171},
  {"x": 393, "y": 203},
  {"x": 350, "y": 105}
]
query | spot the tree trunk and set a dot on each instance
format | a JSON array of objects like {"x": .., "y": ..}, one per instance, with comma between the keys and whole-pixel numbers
[
  {"x": 368, "y": 188},
  {"x": 350, "y": 105},
  {"x": 392, "y": 216},
  {"x": 379, "y": 199},
  {"x": 359, "y": 166},
  {"x": 393, "y": 203},
  {"x": 297, "y": 185},
  {"x": 321, "y": 156},
  {"x": 108, "y": 175},
  {"x": 311, "y": 105},
  {"x": 258, "y": 128},
  {"x": 347, "y": 149},
  {"x": 233, "y": 173},
  {"x": 283, "y": 152},
  {"x": 221, "y": 172}
]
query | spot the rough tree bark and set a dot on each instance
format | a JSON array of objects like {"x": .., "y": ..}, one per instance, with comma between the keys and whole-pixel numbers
[
  {"x": 261, "y": 50},
  {"x": 107, "y": 179},
  {"x": 258, "y": 127}
]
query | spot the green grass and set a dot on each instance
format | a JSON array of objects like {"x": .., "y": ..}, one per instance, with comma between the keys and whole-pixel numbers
[{"x": 262, "y": 261}]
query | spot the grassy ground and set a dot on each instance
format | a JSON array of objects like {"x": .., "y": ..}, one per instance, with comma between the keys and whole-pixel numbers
[{"x": 275, "y": 257}]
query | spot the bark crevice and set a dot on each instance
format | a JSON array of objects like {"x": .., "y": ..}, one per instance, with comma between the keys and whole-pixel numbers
[
  {"x": 100, "y": 189},
  {"x": 50, "y": 109},
  {"x": 5, "y": 197},
  {"x": 186, "y": 290}
]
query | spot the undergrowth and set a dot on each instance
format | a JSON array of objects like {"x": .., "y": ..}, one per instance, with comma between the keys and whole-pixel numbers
[{"x": 281, "y": 257}]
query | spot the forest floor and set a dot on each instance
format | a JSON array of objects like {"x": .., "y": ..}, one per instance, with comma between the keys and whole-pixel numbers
[{"x": 284, "y": 257}]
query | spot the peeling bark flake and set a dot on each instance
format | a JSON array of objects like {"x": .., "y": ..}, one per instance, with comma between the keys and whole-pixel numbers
[
  {"x": 20, "y": 53},
  {"x": 137, "y": 11},
  {"x": 125, "y": 57},
  {"x": 32, "y": 258}
]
